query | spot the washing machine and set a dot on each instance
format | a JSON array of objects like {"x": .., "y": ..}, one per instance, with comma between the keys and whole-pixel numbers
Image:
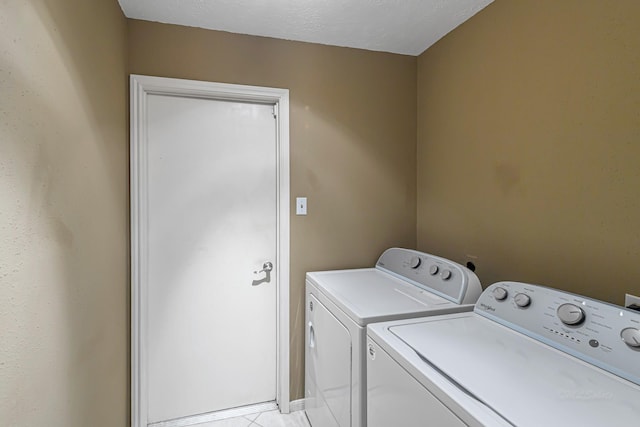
[
  {"x": 341, "y": 303},
  {"x": 527, "y": 356}
]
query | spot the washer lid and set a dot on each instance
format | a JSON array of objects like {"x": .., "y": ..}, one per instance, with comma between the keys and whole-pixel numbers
[
  {"x": 526, "y": 382},
  {"x": 370, "y": 295}
]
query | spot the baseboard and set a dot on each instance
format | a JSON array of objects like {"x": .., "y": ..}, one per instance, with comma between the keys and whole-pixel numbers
[{"x": 297, "y": 405}]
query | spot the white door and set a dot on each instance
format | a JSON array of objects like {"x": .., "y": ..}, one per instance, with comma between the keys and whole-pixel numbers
[{"x": 211, "y": 343}]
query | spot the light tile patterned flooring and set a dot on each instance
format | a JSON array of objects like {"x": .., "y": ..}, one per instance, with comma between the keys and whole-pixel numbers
[{"x": 263, "y": 419}]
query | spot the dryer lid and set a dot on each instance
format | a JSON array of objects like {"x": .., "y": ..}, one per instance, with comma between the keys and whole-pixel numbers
[{"x": 370, "y": 295}]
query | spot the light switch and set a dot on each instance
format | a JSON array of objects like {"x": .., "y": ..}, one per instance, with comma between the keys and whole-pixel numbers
[{"x": 301, "y": 205}]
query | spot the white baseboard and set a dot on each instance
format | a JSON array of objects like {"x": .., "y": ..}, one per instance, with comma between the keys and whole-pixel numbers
[{"x": 297, "y": 405}]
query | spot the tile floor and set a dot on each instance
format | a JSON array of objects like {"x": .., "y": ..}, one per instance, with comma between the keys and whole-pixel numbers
[{"x": 262, "y": 419}]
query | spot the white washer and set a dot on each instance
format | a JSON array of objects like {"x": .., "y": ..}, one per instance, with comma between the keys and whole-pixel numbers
[
  {"x": 340, "y": 304},
  {"x": 527, "y": 356}
]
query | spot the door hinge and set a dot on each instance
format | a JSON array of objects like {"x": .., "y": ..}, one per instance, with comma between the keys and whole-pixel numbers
[{"x": 275, "y": 111}]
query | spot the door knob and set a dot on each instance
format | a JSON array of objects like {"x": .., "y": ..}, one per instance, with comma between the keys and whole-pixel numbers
[{"x": 266, "y": 267}]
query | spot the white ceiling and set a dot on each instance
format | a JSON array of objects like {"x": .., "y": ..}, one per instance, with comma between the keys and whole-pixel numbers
[{"x": 399, "y": 26}]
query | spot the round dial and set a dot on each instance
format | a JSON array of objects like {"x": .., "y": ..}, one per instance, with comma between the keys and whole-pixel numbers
[
  {"x": 433, "y": 270},
  {"x": 570, "y": 314},
  {"x": 414, "y": 262},
  {"x": 500, "y": 293},
  {"x": 446, "y": 274},
  {"x": 522, "y": 300},
  {"x": 631, "y": 337}
]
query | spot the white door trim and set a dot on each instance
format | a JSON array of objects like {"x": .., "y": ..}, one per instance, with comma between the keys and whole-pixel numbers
[{"x": 140, "y": 87}]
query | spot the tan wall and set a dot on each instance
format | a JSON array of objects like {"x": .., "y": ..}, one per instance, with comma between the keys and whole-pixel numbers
[
  {"x": 353, "y": 133},
  {"x": 63, "y": 214},
  {"x": 529, "y": 145}
]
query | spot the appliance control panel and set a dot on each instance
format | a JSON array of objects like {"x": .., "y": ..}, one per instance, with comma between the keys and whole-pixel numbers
[
  {"x": 438, "y": 275},
  {"x": 597, "y": 332}
]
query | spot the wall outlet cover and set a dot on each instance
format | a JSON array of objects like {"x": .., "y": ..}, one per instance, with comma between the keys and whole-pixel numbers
[{"x": 631, "y": 300}]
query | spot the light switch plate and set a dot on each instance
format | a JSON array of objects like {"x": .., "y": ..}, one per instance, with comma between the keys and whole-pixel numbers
[
  {"x": 301, "y": 205},
  {"x": 631, "y": 299}
]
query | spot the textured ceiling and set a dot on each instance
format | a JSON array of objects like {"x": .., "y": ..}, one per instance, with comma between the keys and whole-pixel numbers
[{"x": 399, "y": 26}]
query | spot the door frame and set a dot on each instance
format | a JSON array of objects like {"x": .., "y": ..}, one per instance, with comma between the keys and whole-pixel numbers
[{"x": 140, "y": 87}]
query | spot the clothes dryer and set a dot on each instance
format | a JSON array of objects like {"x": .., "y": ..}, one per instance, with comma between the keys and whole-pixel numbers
[
  {"x": 527, "y": 356},
  {"x": 341, "y": 303}
]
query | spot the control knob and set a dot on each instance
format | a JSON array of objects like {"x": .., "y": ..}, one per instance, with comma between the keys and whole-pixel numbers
[
  {"x": 433, "y": 270},
  {"x": 631, "y": 337},
  {"x": 522, "y": 300},
  {"x": 500, "y": 293},
  {"x": 570, "y": 314},
  {"x": 414, "y": 262},
  {"x": 446, "y": 274}
]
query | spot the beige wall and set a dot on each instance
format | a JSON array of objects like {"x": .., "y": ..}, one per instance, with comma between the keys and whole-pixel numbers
[
  {"x": 353, "y": 133},
  {"x": 63, "y": 214},
  {"x": 529, "y": 145}
]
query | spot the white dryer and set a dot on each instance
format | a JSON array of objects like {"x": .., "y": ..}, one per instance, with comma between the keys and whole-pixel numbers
[
  {"x": 527, "y": 356},
  {"x": 341, "y": 303}
]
